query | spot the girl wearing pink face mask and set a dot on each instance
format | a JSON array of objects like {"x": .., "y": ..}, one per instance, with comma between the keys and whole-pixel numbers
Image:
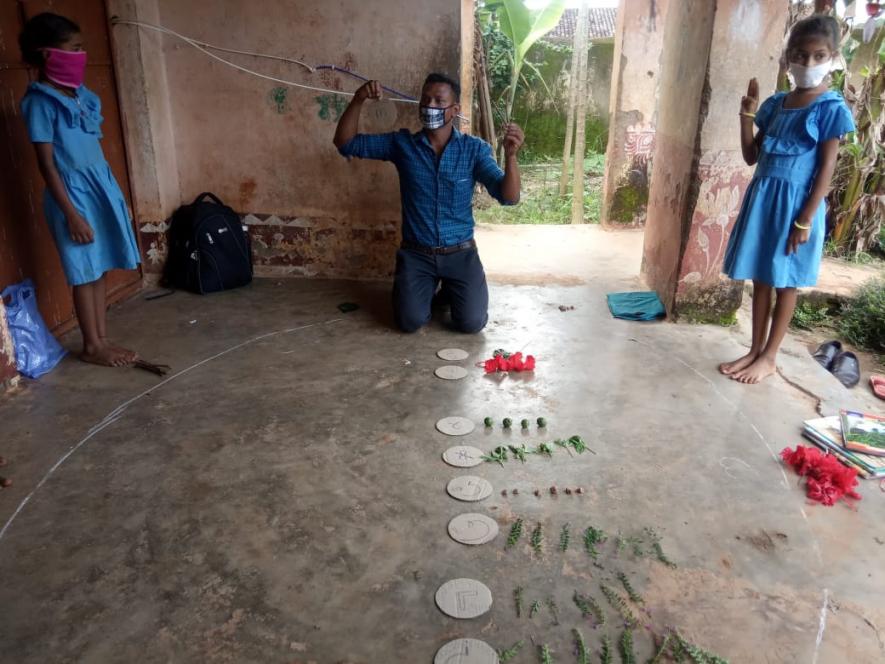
[{"x": 83, "y": 204}]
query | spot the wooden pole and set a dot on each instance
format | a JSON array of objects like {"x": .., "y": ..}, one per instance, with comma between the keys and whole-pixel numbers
[
  {"x": 580, "y": 119},
  {"x": 570, "y": 116}
]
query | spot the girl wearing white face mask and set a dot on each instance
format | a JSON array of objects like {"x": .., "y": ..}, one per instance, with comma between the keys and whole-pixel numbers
[{"x": 778, "y": 238}]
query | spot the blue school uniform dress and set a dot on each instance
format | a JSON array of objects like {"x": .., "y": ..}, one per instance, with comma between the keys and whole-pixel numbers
[
  {"x": 73, "y": 126},
  {"x": 785, "y": 172}
]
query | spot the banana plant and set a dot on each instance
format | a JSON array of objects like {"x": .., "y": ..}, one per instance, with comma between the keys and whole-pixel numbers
[{"x": 524, "y": 28}]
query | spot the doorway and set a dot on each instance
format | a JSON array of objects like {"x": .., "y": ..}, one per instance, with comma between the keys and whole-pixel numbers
[{"x": 27, "y": 249}]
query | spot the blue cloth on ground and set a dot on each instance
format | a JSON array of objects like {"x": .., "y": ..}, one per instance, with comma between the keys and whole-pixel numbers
[{"x": 636, "y": 306}]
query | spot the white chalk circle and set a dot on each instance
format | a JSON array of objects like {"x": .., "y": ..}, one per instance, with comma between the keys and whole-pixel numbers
[
  {"x": 455, "y": 426},
  {"x": 466, "y": 651},
  {"x": 451, "y": 372},
  {"x": 464, "y": 598},
  {"x": 463, "y": 456},
  {"x": 473, "y": 529},
  {"x": 469, "y": 488},
  {"x": 453, "y": 354}
]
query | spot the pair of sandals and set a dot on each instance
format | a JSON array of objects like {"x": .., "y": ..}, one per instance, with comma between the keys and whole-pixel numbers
[{"x": 842, "y": 364}]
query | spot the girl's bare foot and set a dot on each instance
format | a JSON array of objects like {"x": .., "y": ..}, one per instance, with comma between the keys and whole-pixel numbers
[
  {"x": 103, "y": 355},
  {"x": 729, "y": 368},
  {"x": 128, "y": 355},
  {"x": 759, "y": 370}
]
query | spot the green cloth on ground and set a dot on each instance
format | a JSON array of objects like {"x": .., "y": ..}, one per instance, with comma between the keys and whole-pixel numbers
[{"x": 636, "y": 306}]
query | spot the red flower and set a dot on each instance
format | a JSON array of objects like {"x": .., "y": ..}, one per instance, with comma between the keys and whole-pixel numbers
[
  {"x": 827, "y": 480},
  {"x": 513, "y": 362}
]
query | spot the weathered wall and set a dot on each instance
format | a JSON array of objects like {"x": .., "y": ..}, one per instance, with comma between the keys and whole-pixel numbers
[
  {"x": 266, "y": 149},
  {"x": 8, "y": 372},
  {"x": 639, "y": 40},
  {"x": 699, "y": 176}
]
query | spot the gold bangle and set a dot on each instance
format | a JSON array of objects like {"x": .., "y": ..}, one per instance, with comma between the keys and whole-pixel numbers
[
  {"x": 801, "y": 227},
  {"x": 747, "y": 115}
]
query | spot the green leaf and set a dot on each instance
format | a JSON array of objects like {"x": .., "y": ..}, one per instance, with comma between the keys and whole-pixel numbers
[{"x": 525, "y": 27}]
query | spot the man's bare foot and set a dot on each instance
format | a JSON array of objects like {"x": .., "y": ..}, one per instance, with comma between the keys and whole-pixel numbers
[
  {"x": 729, "y": 368},
  {"x": 104, "y": 355},
  {"x": 761, "y": 369}
]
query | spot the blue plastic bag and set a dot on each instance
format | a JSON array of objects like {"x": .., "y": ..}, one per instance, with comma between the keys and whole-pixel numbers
[{"x": 36, "y": 350}]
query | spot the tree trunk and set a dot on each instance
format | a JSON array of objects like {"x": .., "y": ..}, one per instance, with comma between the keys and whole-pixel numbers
[
  {"x": 570, "y": 117},
  {"x": 486, "y": 117},
  {"x": 580, "y": 118}
]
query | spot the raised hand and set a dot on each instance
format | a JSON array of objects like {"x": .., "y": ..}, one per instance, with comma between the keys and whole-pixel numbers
[
  {"x": 368, "y": 90},
  {"x": 750, "y": 102},
  {"x": 513, "y": 139}
]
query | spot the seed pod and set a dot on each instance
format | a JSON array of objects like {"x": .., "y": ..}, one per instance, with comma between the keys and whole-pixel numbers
[
  {"x": 488, "y": 422},
  {"x": 507, "y": 422},
  {"x": 524, "y": 424}
]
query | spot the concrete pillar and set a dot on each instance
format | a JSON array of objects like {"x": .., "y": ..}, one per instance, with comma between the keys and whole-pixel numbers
[
  {"x": 8, "y": 373},
  {"x": 639, "y": 38},
  {"x": 699, "y": 177},
  {"x": 143, "y": 93}
]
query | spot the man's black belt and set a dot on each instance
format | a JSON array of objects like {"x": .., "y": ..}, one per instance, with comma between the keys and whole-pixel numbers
[{"x": 438, "y": 251}]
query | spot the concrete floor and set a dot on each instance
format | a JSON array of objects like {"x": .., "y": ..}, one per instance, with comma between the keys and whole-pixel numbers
[{"x": 280, "y": 498}]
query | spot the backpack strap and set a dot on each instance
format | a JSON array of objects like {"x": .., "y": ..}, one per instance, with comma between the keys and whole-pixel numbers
[{"x": 199, "y": 199}]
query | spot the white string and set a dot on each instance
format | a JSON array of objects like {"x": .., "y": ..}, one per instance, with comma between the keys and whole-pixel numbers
[{"x": 200, "y": 47}]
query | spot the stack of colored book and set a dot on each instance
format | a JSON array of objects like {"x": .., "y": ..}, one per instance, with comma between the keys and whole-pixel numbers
[{"x": 826, "y": 433}]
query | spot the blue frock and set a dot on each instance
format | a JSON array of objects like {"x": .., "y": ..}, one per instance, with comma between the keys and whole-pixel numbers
[
  {"x": 788, "y": 160},
  {"x": 73, "y": 126}
]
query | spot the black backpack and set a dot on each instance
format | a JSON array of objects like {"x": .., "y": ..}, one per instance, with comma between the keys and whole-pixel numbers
[{"x": 208, "y": 248}]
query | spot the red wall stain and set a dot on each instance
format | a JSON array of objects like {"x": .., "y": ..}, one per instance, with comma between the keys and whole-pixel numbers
[{"x": 247, "y": 193}]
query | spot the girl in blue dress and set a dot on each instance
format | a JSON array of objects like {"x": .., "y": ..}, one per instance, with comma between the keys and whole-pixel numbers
[
  {"x": 83, "y": 204},
  {"x": 778, "y": 238}
]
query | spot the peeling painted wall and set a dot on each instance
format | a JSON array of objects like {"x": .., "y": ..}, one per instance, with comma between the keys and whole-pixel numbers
[
  {"x": 266, "y": 149},
  {"x": 639, "y": 40},
  {"x": 699, "y": 176}
]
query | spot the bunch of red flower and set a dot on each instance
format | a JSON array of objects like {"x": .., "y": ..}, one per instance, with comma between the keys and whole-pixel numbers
[
  {"x": 506, "y": 362},
  {"x": 826, "y": 479}
]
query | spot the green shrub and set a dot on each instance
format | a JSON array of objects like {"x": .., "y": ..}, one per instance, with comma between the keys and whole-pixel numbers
[
  {"x": 809, "y": 315},
  {"x": 863, "y": 318}
]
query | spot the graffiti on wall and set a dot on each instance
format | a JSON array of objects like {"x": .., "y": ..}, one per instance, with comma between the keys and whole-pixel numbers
[
  {"x": 331, "y": 107},
  {"x": 724, "y": 178},
  {"x": 630, "y": 199},
  {"x": 639, "y": 143},
  {"x": 278, "y": 98}
]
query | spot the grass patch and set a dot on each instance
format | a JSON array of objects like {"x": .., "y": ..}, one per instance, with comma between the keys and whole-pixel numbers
[
  {"x": 540, "y": 201},
  {"x": 810, "y": 314},
  {"x": 862, "y": 320}
]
